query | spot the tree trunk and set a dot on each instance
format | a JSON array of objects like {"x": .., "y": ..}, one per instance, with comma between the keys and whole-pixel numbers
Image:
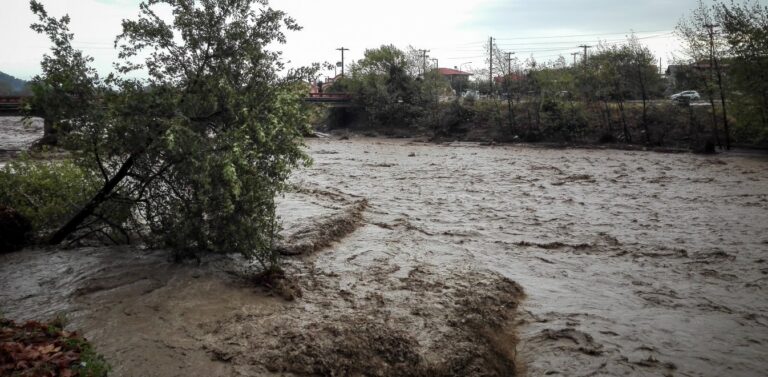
[
  {"x": 645, "y": 121},
  {"x": 764, "y": 110},
  {"x": 645, "y": 106},
  {"x": 511, "y": 113},
  {"x": 608, "y": 117},
  {"x": 50, "y": 136},
  {"x": 627, "y": 135},
  {"x": 694, "y": 132},
  {"x": 72, "y": 225},
  {"x": 726, "y": 127},
  {"x": 530, "y": 120},
  {"x": 715, "y": 130}
]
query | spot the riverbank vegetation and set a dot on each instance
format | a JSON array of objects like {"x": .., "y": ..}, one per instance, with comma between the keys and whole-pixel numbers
[
  {"x": 188, "y": 158},
  {"x": 616, "y": 94}
]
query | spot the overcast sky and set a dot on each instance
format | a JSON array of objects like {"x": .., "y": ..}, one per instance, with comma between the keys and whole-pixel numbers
[{"x": 453, "y": 31}]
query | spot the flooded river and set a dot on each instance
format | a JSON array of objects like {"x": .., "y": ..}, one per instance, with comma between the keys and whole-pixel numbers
[
  {"x": 633, "y": 263},
  {"x": 459, "y": 259}
]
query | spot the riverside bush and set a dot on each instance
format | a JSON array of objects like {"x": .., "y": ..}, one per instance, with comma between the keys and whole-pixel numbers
[
  {"x": 45, "y": 192},
  {"x": 189, "y": 140}
]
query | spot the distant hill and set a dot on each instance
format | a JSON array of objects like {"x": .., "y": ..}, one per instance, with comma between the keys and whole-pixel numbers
[{"x": 10, "y": 86}]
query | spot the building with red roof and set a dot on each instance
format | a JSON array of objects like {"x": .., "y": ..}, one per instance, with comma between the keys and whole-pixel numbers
[{"x": 451, "y": 73}]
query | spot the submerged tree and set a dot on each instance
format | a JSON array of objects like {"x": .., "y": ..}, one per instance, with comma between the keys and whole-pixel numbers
[{"x": 192, "y": 156}]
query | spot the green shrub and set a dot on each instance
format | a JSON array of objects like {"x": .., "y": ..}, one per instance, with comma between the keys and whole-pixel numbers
[
  {"x": 45, "y": 192},
  {"x": 489, "y": 112},
  {"x": 452, "y": 118}
]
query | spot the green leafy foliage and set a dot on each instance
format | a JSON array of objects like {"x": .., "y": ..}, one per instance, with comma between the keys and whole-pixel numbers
[
  {"x": 67, "y": 85},
  {"x": 745, "y": 27},
  {"x": 385, "y": 83},
  {"x": 192, "y": 156},
  {"x": 45, "y": 192}
]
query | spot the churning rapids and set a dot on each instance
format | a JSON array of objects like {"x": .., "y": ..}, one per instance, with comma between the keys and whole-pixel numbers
[{"x": 450, "y": 259}]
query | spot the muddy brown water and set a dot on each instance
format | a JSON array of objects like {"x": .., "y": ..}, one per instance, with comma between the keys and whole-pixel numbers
[
  {"x": 17, "y": 135},
  {"x": 631, "y": 263}
]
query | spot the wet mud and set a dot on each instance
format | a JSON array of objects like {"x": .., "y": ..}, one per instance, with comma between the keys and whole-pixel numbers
[
  {"x": 455, "y": 259},
  {"x": 151, "y": 316}
]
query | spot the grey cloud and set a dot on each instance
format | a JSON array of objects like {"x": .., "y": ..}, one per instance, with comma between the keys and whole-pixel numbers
[{"x": 589, "y": 16}]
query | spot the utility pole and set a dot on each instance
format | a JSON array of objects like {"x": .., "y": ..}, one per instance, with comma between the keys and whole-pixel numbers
[
  {"x": 661, "y": 71},
  {"x": 510, "y": 108},
  {"x": 490, "y": 59},
  {"x": 713, "y": 61},
  {"x": 509, "y": 63},
  {"x": 342, "y": 49},
  {"x": 437, "y": 97},
  {"x": 437, "y": 63},
  {"x": 574, "y": 54},
  {"x": 585, "y": 47},
  {"x": 424, "y": 61}
]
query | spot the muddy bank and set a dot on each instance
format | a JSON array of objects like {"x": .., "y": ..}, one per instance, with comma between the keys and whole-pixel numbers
[{"x": 150, "y": 316}]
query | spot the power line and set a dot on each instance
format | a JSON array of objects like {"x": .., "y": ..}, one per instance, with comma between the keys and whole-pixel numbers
[
  {"x": 562, "y": 42},
  {"x": 466, "y": 57},
  {"x": 561, "y": 48},
  {"x": 545, "y": 46},
  {"x": 477, "y": 46},
  {"x": 582, "y": 35}
]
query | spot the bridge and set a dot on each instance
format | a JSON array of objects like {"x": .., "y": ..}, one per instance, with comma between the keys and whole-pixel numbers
[{"x": 10, "y": 105}]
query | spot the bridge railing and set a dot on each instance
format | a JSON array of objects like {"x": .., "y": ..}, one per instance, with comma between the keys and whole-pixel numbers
[
  {"x": 10, "y": 105},
  {"x": 11, "y": 100}
]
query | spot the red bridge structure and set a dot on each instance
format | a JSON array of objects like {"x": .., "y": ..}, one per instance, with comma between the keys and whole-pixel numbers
[{"x": 11, "y": 105}]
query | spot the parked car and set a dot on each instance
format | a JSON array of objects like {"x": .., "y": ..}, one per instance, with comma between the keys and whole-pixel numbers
[
  {"x": 686, "y": 96},
  {"x": 471, "y": 94}
]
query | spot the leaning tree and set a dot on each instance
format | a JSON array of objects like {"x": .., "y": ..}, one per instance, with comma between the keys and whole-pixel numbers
[{"x": 194, "y": 133}]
